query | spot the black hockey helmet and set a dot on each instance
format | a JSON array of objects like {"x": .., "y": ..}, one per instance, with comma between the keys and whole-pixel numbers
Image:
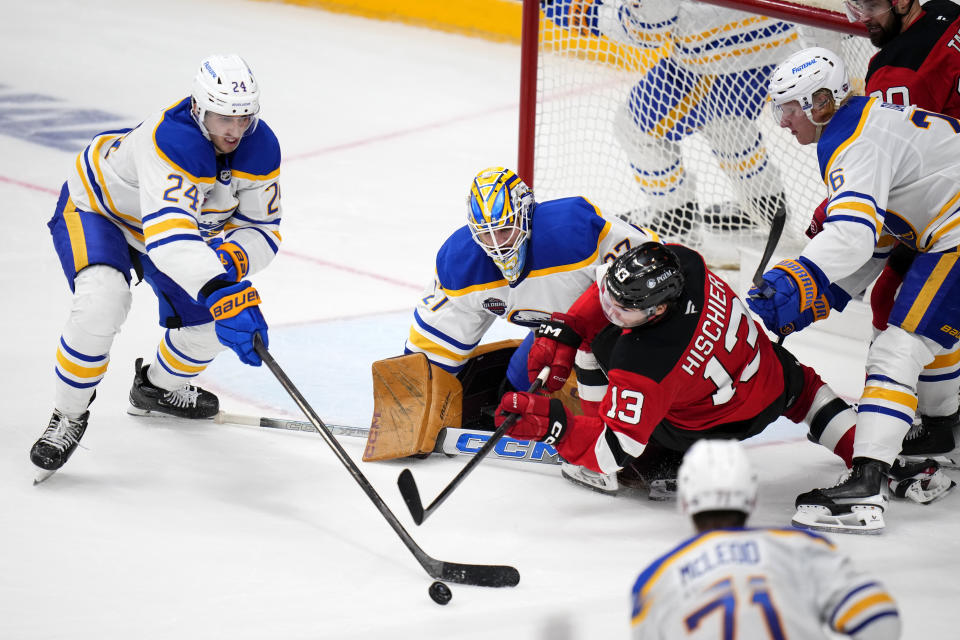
[{"x": 644, "y": 277}]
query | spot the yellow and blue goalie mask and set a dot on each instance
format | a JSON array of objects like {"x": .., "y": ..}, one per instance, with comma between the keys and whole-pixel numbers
[{"x": 498, "y": 214}]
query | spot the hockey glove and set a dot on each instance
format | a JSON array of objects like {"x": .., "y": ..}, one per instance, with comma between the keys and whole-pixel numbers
[
  {"x": 234, "y": 260},
  {"x": 237, "y": 316},
  {"x": 816, "y": 222},
  {"x": 821, "y": 309},
  {"x": 788, "y": 289},
  {"x": 540, "y": 418},
  {"x": 554, "y": 346}
]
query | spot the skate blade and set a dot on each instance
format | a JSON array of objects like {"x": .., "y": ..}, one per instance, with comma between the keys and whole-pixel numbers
[
  {"x": 147, "y": 413},
  {"x": 42, "y": 475},
  {"x": 861, "y": 519},
  {"x": 599, "y": 484},
  {"x": 663, "y": 490}
]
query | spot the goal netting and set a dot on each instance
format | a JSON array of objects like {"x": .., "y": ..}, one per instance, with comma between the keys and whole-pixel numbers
[{"x": 657, "y": 111}]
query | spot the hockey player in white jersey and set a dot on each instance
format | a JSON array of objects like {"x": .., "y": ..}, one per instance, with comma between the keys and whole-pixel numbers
[
  {"x": 888, "y": 169},
  {"x": 729, "y": 581},
  {"x": 713, "y": 81},
  {"x": 188, "y": 200}
]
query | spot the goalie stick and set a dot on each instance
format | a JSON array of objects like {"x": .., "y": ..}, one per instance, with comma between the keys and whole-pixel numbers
[
  {"x": 481, "y": 575},
  {"x": 408, "y": 486},
  {"x": 451, "y": 441}
]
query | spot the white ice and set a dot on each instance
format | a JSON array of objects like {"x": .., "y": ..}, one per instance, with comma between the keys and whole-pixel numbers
[{"x": 173, "y": 530}]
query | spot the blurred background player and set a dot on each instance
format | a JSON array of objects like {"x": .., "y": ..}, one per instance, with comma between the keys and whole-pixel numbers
[
  {"x": 682, "y": 360},
  {"x": 713, "y": 82},
  {"x": 886, "y": 167},
  {"x": 765, "y": 583},
  {"x": 155, "y": 200},
  {"x": 517, "y": 260}
]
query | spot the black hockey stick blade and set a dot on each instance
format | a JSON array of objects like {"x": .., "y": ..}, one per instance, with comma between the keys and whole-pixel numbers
[
  {"x": 408, "y": 487},
  {"x": 480, "y": 575},
  {"x": 776, "y": 230}
]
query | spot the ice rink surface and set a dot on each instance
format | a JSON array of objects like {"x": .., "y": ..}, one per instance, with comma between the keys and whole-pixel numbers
[{"x": 163, "y": 529}]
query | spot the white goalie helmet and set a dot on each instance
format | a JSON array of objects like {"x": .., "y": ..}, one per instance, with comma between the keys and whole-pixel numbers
[
  {"x": 716, "y": 476},
  {"x": 803, "y": 74},
  {"x": 224, "y": 84}
]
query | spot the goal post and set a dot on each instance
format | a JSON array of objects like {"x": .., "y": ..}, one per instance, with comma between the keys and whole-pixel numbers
[{"x": 656, "y": 112}]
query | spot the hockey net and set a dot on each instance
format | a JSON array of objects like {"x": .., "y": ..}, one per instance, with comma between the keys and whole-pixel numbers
[{"x": 656, "y": 112}]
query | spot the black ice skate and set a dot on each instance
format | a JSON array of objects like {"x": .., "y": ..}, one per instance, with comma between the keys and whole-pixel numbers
[
  {"x": 57, "y": 443},
  {"x": 655, "y": 470},
  {"x": 921, "y": 481},
  {"x": 854, "y": 505},
  {"x": 187, "y": 401},
  {"x": 933, "y": 436}
]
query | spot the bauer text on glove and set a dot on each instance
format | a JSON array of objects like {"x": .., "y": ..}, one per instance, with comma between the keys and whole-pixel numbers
[{"x": 236, "y": 314}]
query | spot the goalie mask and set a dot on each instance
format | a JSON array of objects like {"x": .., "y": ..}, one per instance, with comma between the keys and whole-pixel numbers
[
  {"x": 716, "y": 476},
  {"x": 498, "y": 214},
  {"x": 802, "y": 75},
  {"x": 224, "y": 85}
]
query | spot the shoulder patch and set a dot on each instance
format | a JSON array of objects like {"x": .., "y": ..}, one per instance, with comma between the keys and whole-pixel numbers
[{"x": 181, "y": 144}]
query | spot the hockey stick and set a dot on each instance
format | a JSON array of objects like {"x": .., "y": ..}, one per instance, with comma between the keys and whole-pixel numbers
[
  {"x": 776, "y": 230},
  {"x": 481, "y": 575},
  {"x": 408, "y": 486},
  {"x": 451, "y": 441}
]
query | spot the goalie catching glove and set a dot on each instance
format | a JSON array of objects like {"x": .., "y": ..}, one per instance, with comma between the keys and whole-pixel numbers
[
  {"x": 554, "y": 346},
  {"x": 794, "y": 294},
  {"x": 236, "y": 315},
  {"x": 538, "y": 417}
]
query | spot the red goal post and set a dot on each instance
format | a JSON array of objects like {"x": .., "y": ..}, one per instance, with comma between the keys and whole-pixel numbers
[{"x": 651, "y": 132}]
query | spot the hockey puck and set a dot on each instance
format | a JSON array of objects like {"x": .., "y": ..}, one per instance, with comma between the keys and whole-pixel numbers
[{"x": 440, "y": 592}]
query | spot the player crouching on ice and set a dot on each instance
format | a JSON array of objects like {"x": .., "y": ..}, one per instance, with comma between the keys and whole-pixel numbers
[
  {"x": 154, "y": 200},
  {"x": 888, "y": 168},
  {"x": 683, "y": 360}
]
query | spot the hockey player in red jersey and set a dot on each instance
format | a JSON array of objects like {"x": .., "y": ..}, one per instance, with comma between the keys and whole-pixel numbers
[{"x": 684, "y": 360}]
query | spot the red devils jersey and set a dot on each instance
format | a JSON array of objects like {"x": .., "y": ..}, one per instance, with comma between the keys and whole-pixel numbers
[
  {"x": 706, "y": 363},
  {"x": 921, "y": 66}
]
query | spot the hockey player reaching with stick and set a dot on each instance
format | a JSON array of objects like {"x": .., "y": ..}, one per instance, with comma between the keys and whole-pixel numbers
[
  {"x": 188, "y": 200},
  {"x": 765, "y": 583},
  {"x": 887, "y": 168},
  {"x": 681, "y": 359}
]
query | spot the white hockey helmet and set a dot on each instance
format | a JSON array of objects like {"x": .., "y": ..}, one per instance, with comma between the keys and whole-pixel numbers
[
  {"x": 224, "y": 84},
  {"x": 498, "y": 214},
  {"x": 716, "y": 476},
  {"x": 803, "y": 74}
]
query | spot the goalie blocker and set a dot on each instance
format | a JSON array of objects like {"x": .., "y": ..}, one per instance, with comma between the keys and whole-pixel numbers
[{"x": 413, "y": 400}]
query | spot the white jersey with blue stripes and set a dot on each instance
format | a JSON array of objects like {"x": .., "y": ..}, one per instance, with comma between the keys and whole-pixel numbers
[
  {"x": 759, "y": 584},
  {"x": 163, "y": 185},
  {"x": 569, "y": 238}
]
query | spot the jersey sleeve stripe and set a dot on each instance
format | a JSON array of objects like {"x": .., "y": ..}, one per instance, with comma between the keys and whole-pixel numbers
[
  {"x": 449, "y": 368},
  {"x": 861, "y": 606},
  {"x": 274, "y": 246},
  {"x": 439, "y": 334},
  {"x": 249, "y": 176},
  {"x": 429, "y": 346},
  {"x": 854, "y": 631},
  {"x": 169, "y": 239}
]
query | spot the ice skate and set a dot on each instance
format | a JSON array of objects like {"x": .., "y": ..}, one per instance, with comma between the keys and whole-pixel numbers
[
  {"x": 187, "y": 401},
  {"x": 599, "y": 482},
  {"x": 854, "y": 505},
  {"x": 921, "y": 481},
  {"x": 932, "y": 437},
  {"x": 655, "y": 470},
  {"x": 57, "y": 443}
]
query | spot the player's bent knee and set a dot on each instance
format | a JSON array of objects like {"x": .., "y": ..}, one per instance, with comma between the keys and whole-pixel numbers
[
  {"x": 199, "y": 341},
  {"x": 897, "y": 350},
  {"x": 101, "y": 300}
]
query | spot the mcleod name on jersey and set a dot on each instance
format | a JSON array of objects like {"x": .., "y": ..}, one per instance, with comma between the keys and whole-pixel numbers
[
  {"x": 758, "y": 583},
  {"x": 568, "y": 240},
  {"x": 163, "y": 185}
]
